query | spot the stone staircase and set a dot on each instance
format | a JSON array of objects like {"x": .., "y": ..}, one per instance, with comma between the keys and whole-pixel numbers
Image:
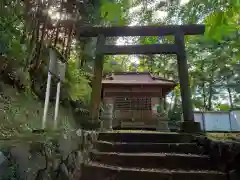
[{"x": 153, "y": 156}]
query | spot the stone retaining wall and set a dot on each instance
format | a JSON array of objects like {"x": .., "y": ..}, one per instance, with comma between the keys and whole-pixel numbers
[{"x": 64, "y": 158}]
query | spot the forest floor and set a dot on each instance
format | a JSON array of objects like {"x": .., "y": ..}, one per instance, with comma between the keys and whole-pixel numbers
[{"x": 22, "y": 112}]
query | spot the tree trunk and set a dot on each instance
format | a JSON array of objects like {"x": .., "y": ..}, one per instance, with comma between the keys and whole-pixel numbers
[
  {"x": 82, "y": 58},
  {"x": 204, "y": 96},
  {"x": 203, "y": 87},
  {"x": 58, "y": 25},
  {"x": 209, "y": 108},
  {"x": 37, "y": 59},
  {"x": 68, "y": 45},
  {"x": 171, "y": 102},
  {"x": 230, "y": 97},
  {"x": 210, "y": 96},
  {"x": 150, "y": 63},
  {"x": 39, "y": 47},
  {"x": 175, "y": 101},
  {"x": 164, "y": 75}
]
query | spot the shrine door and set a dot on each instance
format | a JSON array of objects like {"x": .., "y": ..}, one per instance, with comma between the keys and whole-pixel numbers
[{"x": 134, "y": 109}]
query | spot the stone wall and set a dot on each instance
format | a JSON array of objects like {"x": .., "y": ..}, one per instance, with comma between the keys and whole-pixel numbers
[
  {"x": 64, "y": 158},
  {"x": 225, "y": 153}
]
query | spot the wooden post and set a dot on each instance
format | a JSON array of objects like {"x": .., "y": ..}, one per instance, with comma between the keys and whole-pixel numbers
[
  {"x": 183, "y": 77},
  {"x": 97, "y": 79},
  {"x": 189, "y": 125}
]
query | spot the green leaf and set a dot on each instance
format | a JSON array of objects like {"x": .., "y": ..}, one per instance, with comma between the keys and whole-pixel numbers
[
  {"x": 235, "y": 3},
  {"x": 223, "y": 107},
  {"x": 221, "y": 23},
  {"x": 112, "y": 12},
  {"x": 148, "y": 40}
]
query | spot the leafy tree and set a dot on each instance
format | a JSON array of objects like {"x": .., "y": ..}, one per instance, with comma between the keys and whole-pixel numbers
[{"x": 29, "y": 28}]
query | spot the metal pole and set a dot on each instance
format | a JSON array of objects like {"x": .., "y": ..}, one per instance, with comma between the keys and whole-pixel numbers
[
  {"x": 47, "y": 95},
  {"x": 57, "y": 104}
]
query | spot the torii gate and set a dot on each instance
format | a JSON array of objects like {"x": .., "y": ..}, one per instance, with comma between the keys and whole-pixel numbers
[{"x": 178, "y": 48}]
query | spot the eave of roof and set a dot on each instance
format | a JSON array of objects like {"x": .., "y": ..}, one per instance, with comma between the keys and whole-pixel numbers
[
  {"x": 137, "y": 82},
  {"x": 154, "y": 80}
]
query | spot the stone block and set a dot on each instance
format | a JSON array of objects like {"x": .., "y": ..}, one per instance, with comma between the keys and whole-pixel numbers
[
  {"x": 162, "y": 126},
  {"x": 234, "y": 175},
  {"x": 106, "y": 124},
  {"x": 190, "y": 127}
]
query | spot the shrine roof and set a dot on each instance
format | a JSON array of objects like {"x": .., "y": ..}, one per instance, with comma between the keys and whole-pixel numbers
[{"x": 136, "y": 78}]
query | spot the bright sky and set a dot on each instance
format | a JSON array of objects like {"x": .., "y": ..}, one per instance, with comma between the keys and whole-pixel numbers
[{"x": 157, "y": 14}]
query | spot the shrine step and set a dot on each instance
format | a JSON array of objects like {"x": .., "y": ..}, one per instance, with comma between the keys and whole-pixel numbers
[
  {"x": 145, "y": 128},
  {"x": 94, "y": 171},
  {"x": 154, "y": 160},
  {"x": 121, "y": 147},
  {"x": 149, "y": 137}
]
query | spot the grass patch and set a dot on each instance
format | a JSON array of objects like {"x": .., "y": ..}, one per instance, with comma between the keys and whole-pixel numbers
[
  {"x": 139, "y": 131},
  {"x": 223, "y": 136}
]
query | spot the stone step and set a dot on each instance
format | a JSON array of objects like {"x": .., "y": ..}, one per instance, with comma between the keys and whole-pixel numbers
[
  {"x": 94, "y": 171},
  {"x": 104, "y": 146},
  {"x": 149, "y": 137},
  {"x": 154, "y": 160}
]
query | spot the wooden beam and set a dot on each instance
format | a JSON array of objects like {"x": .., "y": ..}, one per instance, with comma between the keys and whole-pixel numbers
[
  {"x": 89, "y": 31},
  {"x": 139, "y": 49},
  {"x": 133, "y": 94}
]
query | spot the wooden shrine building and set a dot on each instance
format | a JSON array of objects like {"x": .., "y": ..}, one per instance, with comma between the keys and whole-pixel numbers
[{"x": 130, "y": 100}]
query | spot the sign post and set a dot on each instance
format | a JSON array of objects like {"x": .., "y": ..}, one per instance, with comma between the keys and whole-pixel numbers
[
  {"x": 56, "y": 69},
  {"x": 61, "y": 74}
]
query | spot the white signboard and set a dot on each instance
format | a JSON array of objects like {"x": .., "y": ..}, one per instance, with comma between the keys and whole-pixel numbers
[{"x": 56, "y": 67}]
